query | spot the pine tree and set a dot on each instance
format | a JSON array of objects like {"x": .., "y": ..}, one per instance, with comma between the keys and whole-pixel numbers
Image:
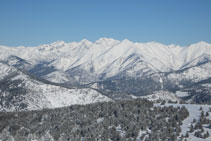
[
  {"x": 202, "y": 115},
  {"x": 187, "y": 135},
  {"x": 207, "y": 114},
  {"x": 206, "y": 135},
  {"x": 163, "y": 102},
  {"x": 191, "y": 128},
  {"x": 209, "y": 125}
]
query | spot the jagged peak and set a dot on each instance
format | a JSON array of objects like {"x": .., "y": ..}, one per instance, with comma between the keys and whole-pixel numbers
[
  {"x": 85, "y": 42},
  {"x": 111, "y": 40},
  {"x": 126, "y": 41},
  {"x": 105, "y": 40},
  {"x": 58, "y": 43}
]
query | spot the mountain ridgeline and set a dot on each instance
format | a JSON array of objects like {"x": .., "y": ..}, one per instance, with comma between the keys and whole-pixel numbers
[{"x": 115, "y": 69}]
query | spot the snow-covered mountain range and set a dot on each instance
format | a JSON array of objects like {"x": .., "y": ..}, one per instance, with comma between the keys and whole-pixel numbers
[
  {"x": 116, "y": 68},
  {"x": 105, "y": 58}
]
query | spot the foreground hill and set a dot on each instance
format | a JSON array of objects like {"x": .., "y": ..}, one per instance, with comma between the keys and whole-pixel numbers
[
  {"x": 21, "y": 91},
  {"x": 121, "y": 120}
]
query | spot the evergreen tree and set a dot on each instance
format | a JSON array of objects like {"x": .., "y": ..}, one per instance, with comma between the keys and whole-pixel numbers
[
  {"x": 187, "y": 135},
  {"x": 206, "y": 135},
  {"x": 191, "y": 128},
  {"x": 207, "y": 114}
]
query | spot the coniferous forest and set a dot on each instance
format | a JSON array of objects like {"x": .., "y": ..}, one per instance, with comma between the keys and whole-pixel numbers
[{"x": 118, "y": 121}]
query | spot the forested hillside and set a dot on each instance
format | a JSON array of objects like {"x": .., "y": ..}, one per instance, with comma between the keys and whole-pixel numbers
[{"x": 122, "y": 120}]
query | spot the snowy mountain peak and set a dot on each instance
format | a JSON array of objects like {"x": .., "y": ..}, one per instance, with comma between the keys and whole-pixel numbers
[
  {"x": 106, "y": 41},
  {"x": 106, "y": 57},
  {"x": 85, "y": 62},
  {"x": 155, "y": 43},
  {"x": 85, "y": 41},
  {"x": 201, "y": 44},
  {"x": 126, "y": 41},
  {"x": 58, "y": 43}
]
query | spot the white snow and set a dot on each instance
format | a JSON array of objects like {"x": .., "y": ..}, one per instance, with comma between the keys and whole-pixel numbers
[
  {"x": 141, "y": 132},
  {"x": 109, "y": 56},
  {"x": 41, "y": 95},
  {"x": 194, "y": 74},
  {"x": 181, "y": 94},
  {"x": 162, "y": 95},
  {"x": 194, "y": 113},
  {"x": 207, "y": 85},
  {"x": 100, "y": 120}
]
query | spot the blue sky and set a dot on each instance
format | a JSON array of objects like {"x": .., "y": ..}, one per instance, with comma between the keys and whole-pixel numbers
[{"x": 35, "y": 22}]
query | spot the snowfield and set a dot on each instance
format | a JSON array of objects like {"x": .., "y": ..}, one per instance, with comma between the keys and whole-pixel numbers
[
  {"x": 162, "y": 95},
  {"x": 181, "y": 94}
]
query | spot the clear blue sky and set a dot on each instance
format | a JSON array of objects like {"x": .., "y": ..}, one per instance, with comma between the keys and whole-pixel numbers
[{"x": 35, "y": 22}]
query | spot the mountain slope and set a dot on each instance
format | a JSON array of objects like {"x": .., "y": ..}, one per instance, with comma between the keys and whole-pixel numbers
[
  {"x": 114, "y": 66},
  {"x": 20, "y": 91},
  {"x": 122, "y": 120},
  {"x": 85, "y": 62}
]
